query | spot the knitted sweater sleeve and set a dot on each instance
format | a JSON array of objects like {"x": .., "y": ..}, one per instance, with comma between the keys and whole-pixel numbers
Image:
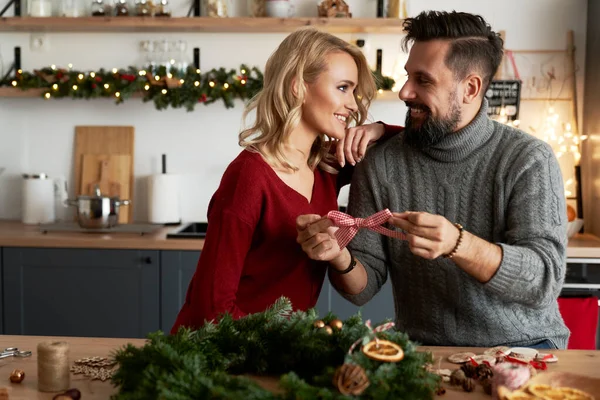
[
  {"x": 533, "y": 263},
  {"x": 367, "y": 246},
  {"x": 221, "y": 263}
]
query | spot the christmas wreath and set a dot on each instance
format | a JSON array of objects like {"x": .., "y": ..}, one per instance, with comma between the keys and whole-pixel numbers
[
  {"x": 165, "y": 88},
  {"x": 314, "y": 359}
]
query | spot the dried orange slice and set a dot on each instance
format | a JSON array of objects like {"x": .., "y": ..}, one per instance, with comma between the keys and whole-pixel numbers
[
  {"x": 383, "y": 350},
  {"x": 575, "y": 394},
  {"x": 547, "y": 392},
  {"x": 538, "y": 389}
]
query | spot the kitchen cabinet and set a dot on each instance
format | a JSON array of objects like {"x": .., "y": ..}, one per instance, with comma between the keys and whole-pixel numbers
[
  {"x": 583, "y": 280},
  {"x": 378, "y": 309},
  {"x": 1, "y": 294},
  {"x": 80, "y": 292},
  {"x": 177, "y": 269}
]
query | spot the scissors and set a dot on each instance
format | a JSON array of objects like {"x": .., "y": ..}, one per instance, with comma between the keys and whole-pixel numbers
[{"x": 14, "y": 352}]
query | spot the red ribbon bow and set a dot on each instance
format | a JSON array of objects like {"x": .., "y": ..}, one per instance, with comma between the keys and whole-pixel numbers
[{"x": 349, "y": 225}]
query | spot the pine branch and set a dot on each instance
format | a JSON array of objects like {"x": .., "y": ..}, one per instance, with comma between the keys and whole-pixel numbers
[{"x": 209, "y": 363}]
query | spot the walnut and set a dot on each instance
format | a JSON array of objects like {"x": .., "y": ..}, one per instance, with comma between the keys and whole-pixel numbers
[
  {"x": 457, "y": 377},
  {"x": 468, "y": 385}
]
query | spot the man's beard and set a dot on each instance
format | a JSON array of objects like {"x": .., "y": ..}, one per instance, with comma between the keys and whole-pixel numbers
[{"x": 433, "y": 129}]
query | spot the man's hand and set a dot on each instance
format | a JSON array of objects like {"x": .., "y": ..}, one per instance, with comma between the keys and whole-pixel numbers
[
  {"x": 429, "y": 236},
  {"x": 353, "y": 146}
]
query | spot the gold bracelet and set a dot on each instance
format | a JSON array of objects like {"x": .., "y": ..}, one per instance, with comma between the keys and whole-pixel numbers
[{"x": 458, "y": 241}]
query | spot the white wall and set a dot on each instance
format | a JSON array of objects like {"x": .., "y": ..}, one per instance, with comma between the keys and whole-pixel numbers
[{"x": 37, "y": 135}]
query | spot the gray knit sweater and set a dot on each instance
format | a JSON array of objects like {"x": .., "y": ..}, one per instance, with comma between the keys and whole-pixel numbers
[{"x": 502, "y": 185}]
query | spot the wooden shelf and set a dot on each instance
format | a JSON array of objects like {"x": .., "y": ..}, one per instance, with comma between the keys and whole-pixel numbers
[
  {"x": 18, "y": 93},
  {"x": 14, "y": 92},
  {"x": 197, "y": 24}
]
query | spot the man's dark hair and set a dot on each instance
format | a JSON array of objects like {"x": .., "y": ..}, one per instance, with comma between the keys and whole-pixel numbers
[{"x": 473, "y": 43}]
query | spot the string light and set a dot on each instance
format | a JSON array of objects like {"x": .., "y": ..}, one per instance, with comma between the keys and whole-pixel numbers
[
  {"x": 146, "y": 87},
  {"x": 106, "y": 86},
  {"x": 164, "y": 91},
  {"x": 243, "y": 72},
  {"x": 70, "y": 66},
  {"x": 196, "y": 83},
  {"x": 117, "y": 94},
  {"x": 169, "y": 75},
  {"x": 142, "y": 73},
  {"x": 53, "y": 67},
  {"x": 114, "y": 70},
  {"x": 92, "y": 74},
  {"x": 211, "y": 84},
  {"x": 19, "y": 71},
  {"x": 182, "y": 81},
  {"x": 243, "y": 81},
  {"x": 80, "y": 76},
  {"x": 14, "y": 83},
  {"x": 47, "y": 95},
  {"x": 157, "y": 78},
  {"x": 226, "y": 85},
  {"x": 55, "y": 86},
  {"x": 198, "y": 71},
  {"x": 74, "y": 87}
]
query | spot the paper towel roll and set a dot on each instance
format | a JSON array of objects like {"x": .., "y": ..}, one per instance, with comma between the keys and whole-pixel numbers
[
  {"x": 163, "y": 199},
  {"x": 38, "y": 200}
]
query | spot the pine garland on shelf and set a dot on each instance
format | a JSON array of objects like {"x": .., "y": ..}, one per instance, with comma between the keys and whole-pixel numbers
[
  {"x": 164, "y": 88},
  {"x": 217, "y": 360}
]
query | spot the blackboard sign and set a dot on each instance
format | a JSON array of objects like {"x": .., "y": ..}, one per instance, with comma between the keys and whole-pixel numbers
[{"x": 504, "y": 94}]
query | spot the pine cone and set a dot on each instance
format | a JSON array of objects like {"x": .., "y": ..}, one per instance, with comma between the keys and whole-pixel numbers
[
  {"x": 468, "y": 385},
  {"x": 487, "y": 385},
  {"x": 457, "y": 377},
  {"x": 469, "y": 369},
  {"x": 483, "y": 371},
  {"x": 350, "y": 379}
]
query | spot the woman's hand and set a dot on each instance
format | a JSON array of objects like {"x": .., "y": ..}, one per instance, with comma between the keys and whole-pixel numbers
[
  {"x": 316, "y": 235},
  {"x": 353, "y": 146}
]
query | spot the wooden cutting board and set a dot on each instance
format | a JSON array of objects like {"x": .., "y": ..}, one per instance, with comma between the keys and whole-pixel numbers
[
  {"x": 105, "y": 184},
  {"x": 106, "y": 141},
  {"x": 112, "y": 174}
]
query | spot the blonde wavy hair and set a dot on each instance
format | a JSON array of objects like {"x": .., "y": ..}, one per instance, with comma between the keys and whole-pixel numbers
[{"x": 300, "y": 58}]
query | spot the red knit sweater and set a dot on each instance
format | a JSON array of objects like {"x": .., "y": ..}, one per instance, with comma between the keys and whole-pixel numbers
[{"x": 250, "y": 256}]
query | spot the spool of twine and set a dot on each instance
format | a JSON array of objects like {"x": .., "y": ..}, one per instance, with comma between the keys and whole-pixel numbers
[{"x": 53, "y": 367}]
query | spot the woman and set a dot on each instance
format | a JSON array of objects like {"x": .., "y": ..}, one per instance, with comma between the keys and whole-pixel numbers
[{"x": 250, "y": 256}]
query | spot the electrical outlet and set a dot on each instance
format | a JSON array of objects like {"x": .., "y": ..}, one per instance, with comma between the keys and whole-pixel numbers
[{"x": 39, "y": 42}]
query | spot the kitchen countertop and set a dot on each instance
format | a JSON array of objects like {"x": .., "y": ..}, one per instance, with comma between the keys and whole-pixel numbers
[
  {"x": 16, "y": 234},
  {"x": 583, "y": 362}
]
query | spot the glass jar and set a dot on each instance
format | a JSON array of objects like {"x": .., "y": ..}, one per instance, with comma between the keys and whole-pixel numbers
[
  {"x": 143, "y": 8},
  {"x": 121, "y": 8},
  {"x": 40, "y": 8},
  {"x": 99, "y": 9},
  {"x": 147, "y": 59},
  {"x": 396, "y": 9},
  {"x": 182, "y": 60},
  {"x": 163, "y": 9},
  {"x": 215, "y": 8},
  {"x": 70, "y": 8},
  {"x": 257, "y": 8}
]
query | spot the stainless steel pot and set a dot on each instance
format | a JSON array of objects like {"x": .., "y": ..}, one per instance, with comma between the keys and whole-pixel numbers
[{"x": 97, "y": 211}]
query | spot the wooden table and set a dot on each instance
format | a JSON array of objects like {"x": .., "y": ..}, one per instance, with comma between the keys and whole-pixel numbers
[{"x": 576, "y": 361}]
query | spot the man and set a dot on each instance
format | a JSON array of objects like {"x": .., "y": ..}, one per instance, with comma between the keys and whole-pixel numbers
[{"x": 482, "y": 205}]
